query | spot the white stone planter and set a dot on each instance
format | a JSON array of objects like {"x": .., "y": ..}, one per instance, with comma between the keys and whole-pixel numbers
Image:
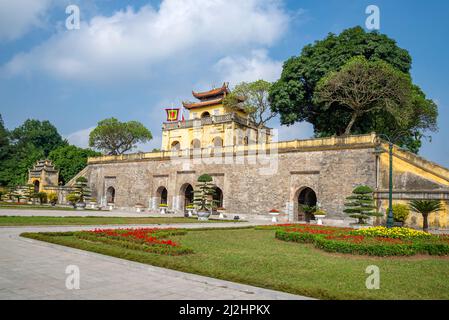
[
  {"x": 190, "y": 212},
  {"x": 319, "y": 219},
  {"x": 110, "y": 206},
  {"x": 203, "y": 215},
  {"x": 162, "y": 210},
  {"x": 92, "y": 205},
  {"x": 274, "y": 216},
  {"x": 139, "y": 209}
]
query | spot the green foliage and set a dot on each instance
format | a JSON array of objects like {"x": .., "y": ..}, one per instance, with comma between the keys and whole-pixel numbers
[
  {"x": 52, "y": 198},
  {"x": 42, "y": 196},
  {"x": 426, "y": 207},
  {"x": 360, "y": 204},
  {"x": 70, "y": 160},
  {"x": 4, "y": 140},
  {"x": 433, "y": 245},
  {"x": 252, "y": 97},
  {"x": 400, "y": 212},
  {"x": 203, "y": 193},
  {"x": 115, "y": 137},
  {"x": 365, "y": 86},
  {"x": 293, "y": 95},
  {"x": 73, "y": 198},
  {"x": 42, "y": 135},
  {"x": 82, "y": 189}
]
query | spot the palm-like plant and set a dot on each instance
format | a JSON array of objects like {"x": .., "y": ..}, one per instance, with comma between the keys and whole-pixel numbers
[{"x": 426, "y": 207}]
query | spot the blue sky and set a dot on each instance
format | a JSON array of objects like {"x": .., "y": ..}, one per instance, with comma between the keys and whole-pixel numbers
[{"x": 131, "y": 59}]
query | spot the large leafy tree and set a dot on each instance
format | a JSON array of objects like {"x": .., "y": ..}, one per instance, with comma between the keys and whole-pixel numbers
[
  {"x": 70, "y": 160},
  {"x": 115, "y": 137},
  {"x": 41, "y": 134},
  {"x": 253, "y": 98},
  {"x": 4, "y": 140},
  {"x": 293, "y": 95},
  {"x": 365, "y": 86}
]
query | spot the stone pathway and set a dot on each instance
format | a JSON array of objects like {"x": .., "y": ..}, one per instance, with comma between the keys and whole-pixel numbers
[{"x": 31, "y": 269}]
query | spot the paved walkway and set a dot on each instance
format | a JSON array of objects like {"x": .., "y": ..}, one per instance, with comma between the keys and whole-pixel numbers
[{"x": 31, "y": 269}]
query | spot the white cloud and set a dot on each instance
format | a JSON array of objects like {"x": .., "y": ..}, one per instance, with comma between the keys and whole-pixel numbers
[
  {"x": 258, "y": 65},
  {"x": 17, "y": 17},
  {"x": 134, "y": 42},
  {"x": 80, "y": 138}
]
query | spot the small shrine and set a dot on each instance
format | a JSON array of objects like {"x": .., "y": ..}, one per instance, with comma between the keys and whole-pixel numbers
[{"x": 43, "y": 175}]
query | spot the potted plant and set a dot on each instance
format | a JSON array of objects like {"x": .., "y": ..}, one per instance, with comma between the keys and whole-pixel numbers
[
  {"x": 274, "y": 213},
  {"x": 83, "y": 192},
  {"x": 203, "y": 197},
  {"x": 320, "y": 214},
  {"x": 221, "y": 211},
  {"x": 139, "y": 207},
  {"x": 400, "y": 214},
  {"x": 52, "y": 198},
  {"x": 73, "y": 199},
  {"x": 190, "y": 209},
  {"x": 163, "y": 208}
]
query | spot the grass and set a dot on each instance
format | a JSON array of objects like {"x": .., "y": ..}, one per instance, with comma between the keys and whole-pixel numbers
[
  {"x": 89, "y": 220},
  {"x": 23, "y": 206},
  {"x": 255, "y": 257}
]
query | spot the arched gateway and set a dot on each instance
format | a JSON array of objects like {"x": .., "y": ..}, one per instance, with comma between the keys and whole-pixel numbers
[
  {"x": 305, "y": 197},
  {"x": 186, "y": 196}
]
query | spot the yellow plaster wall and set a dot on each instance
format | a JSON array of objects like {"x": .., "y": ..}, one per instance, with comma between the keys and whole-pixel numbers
[{"x": 438, "y": 219}]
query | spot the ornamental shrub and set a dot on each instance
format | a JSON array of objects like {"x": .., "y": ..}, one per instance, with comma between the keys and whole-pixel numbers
[
  {"x": 360, "y": 204},
  {"x": 400, "y": 212}
]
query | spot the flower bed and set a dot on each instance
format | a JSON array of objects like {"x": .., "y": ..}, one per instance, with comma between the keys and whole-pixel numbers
[
  {"x": 376, "y": 241},
  {"x": 144, "y": 239}
]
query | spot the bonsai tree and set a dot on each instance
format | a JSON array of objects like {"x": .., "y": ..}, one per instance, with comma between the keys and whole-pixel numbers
[
  {"x": 425, "y": 207},
  {"x": 29, "y": 193},
  {"x": 52, "y": 198},
  {"x": 400, "y": 212},
  {"x": 203, "y": 195},
  {"x": 73, "y": 198},
  {"x": 42, "y": 196},
  {"x": 82, "y": 189},
  {"x": 360, "y": 204},
  {"x": 309, "y": 211}
]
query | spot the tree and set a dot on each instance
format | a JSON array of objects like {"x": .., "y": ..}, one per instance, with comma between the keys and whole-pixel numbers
[
  {"x": 425, "y": 208},
  {"x": 70, "y": 160},
  {"x": 293, "y": 95},
  {"x": 203, "y": 193},
  {"x": 115, "y": 137},
  {"x": 253, "y": 98},
  {"x": 360, "y": 204},
  {"x": 41, "y": 134},
  {"x": 82, "y": 189},
  {"x": 4, "y": 140},
  {"x": 364, "y": 86}
]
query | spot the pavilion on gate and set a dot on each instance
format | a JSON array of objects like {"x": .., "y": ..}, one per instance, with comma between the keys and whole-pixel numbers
[{"x": 212, "y": 124}]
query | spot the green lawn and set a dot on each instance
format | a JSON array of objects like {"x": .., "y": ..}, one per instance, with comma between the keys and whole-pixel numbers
[
  {"x": 255, "y": 257},
  {"x": 6, "y": 205},
  {"x": 81, "y": 221}
]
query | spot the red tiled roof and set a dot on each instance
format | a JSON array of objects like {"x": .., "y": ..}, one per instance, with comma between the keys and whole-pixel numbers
[
  {"x": 191, "y": 105},
  {"x": 211, "y": 93}
]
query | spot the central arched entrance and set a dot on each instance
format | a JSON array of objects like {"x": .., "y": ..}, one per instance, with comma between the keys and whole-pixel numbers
[
  {"x": 110, "y": 195},
  {"x": 306, "y": 197},
  {"x": 186, "y": 196}
]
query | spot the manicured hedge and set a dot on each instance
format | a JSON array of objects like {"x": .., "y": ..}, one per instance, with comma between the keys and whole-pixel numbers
[{"x": 374, "y": 246}]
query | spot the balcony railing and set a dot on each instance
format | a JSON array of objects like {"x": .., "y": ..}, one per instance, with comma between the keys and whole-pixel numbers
[{"x": 228, "y": 117}]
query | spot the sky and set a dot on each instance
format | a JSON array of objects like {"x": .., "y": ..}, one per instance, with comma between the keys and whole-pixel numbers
[{"x": 133, "y": 59}]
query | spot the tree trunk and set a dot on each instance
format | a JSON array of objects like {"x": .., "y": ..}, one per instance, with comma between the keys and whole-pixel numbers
[
  {"x": 425, "y": 222},
  {"x": 351, "y": 123}
]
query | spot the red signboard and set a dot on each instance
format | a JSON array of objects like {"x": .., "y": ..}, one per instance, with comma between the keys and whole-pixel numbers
[{"x": 172, "y": 114}]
